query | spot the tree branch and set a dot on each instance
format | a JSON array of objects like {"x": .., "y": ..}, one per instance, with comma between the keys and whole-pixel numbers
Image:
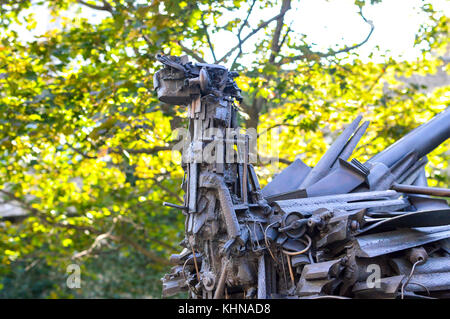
[
  {"x": 275, "y": 126},
  {"x": 147, "y": 39},
  {"x": 208, "y": 38},
  {"x": 286, "y": 34},
  {"x": 80, "y": 152},
  {"x": 94, "y": 245},
  {"x": 332, "y": 52},
  {"x": 191, "y": 53},
  {"x": 106, "y": 6},
  {"x": 148, "y": 253},
  {"x": 254, "y": 31},
  {"x": 121, "y": 238},
  {"x": 138, "y": 227},
  {"x": 270, "y": 159},
  {"x": 276, "y": 46},
  {"x": 167, "y": 189},
  {"x": 240, "y": 31},
  {"x": 152, "y": 150}
]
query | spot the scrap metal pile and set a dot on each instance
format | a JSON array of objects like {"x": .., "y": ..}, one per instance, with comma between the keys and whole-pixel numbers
[{"x": 342, "y": 229}]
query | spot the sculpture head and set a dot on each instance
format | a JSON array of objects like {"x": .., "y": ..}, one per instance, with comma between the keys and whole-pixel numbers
[{"x": 181, "y": 81}]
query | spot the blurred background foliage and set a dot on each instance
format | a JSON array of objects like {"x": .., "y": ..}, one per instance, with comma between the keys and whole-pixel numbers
[{"x": 85, "y": 146}]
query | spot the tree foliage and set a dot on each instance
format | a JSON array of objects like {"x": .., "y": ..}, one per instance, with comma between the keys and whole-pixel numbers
[{"x": 85, "y": 146}]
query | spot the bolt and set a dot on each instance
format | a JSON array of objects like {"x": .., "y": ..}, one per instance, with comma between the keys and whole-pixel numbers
[{"x": 354, "y": 225}]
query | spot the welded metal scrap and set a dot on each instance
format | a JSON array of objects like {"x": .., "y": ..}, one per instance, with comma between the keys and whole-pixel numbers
[{"x": 312, "y": 232}]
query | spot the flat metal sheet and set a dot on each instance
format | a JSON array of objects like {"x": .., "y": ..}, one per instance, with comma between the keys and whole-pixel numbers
[
  {"x": 340, "y": 181},
  {"x": 343, "y": 201},
  {"x": 432, "y": 265},
  {"x": 415, "y": 219},
  {"x": 387, "y": 242},
  {"x": 300, "y": 193},
  {"x": 319, "y": 270},
  {"x": 323, "y": 167},
  {"x": 424, "y": 202},
  {"x": 433, "y": 281},
  {"x": 288, "y": 180}
]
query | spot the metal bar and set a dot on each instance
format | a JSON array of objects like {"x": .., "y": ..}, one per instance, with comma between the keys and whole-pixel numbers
[
  {"x": 404, "y": 164},
  {"x": 421, "y": 180},
  {"x": 351, "y": 144},
  {"x": 175, "y": 206},
  {"x": 193, "y": 179},
  {"x": 218, "y": 294},
  {"x": 413, "y": 172},
  {"x": 412, "y": 189},
  {"x": 393, "y": 204},
  {"x": 423, "y": 140},
  {"x": 262, "y": 294},
  {"x": 215, "y": 181},
  {"x": 339, "y": 198},
  {"x": 245, "y": 172}
]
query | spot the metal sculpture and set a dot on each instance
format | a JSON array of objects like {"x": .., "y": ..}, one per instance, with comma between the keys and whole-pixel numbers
[{"x": 343, "y": 229}]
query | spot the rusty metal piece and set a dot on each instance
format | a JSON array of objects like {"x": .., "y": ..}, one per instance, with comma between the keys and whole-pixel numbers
[
  {"x": 315, "y": 278},
  {"x": 218, "y": 294},
  {"x": 319, "y": 270},
  {"x": 417, "y": 255},
  {"x": 338, "y": 232},
  {"x": 300, "y": 260},
  {"x": 202, "y": 80},
  {"x": 169, "y": 83},
  {"x": 208, "y": 280},
  {"x": 174, "y": 282},
  {"x": 311, "y": 287},
  {"x": 214, "y": 181},
  {"x": 412, "y": 189},
  {"x": 293, "y": 224}
]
